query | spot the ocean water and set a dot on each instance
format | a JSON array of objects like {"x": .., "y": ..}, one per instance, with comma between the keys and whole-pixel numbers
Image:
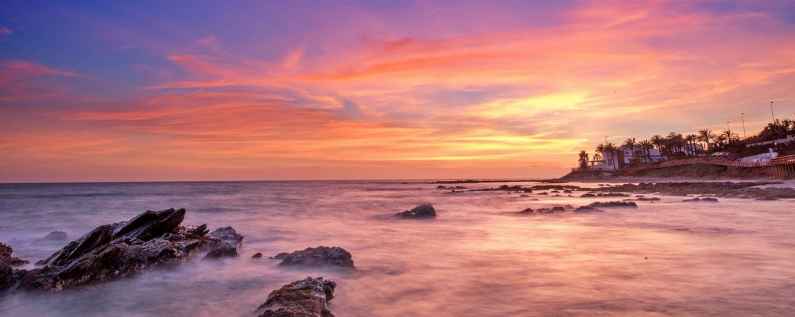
[{"x": 667, "y": 258}]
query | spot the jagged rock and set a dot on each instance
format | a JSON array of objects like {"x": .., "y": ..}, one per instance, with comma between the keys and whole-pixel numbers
[
  {"x": 614, "y": 204},
  {"x": 702, "y": 199},
  {"x": 647, "y": 199},
  {"x": 121, "y": 249},
  {"x": 586, "y": 209},
  {"x": 423, "y": 211},
  {"x": 225, "y": 243},
  {"x": 9, "y": 275},
  {"x": 550, "y": 210},
  {"x": 309, "y": 297},
  {"x": 6, "y": 276},
  {"x": 7, "y": 257},
  {"x": 527, "y": 211},
  {"x": 319, "y": 256},
  {"x": 56, "y": 236}
]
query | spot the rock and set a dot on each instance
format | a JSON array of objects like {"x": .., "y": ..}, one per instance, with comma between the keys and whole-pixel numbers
[
  {"x": 121, "y": 249},
  {"x": 8, "y": 275},
  {"x": 423, "y": 211},
  {"x": 309, "y": 297},
  {"x": 225, "y": 243},
  {"x": 586, "y": 209},
  {"x": 319, "y": 256},
  {"x": 257, "y": 255},
  {"x": 526, "y": 211},
  {"x": 7, "y": 257},
  {"x": 614, "y": 204},
  {"x": 7, "y": 279},
  {"x": 647, "y": 199},
  {"x": 550, "y": 210},
  {"x": 702, "y": 199},
  {"x": 56, "y": 236}
]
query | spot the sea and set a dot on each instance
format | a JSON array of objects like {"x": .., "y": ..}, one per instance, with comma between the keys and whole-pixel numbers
[{"x": 477, "y": 258}]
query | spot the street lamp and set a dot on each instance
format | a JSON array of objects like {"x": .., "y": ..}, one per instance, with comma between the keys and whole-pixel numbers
[{"x": 742, "y": 119}]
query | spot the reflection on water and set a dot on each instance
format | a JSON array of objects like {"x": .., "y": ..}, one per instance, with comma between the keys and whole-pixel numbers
[{"x": 669, "y": 258}]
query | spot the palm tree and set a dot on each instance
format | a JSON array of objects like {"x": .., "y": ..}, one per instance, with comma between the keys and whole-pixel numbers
[
  {"x": 691, "y": 143},
  {"x": 719, "y": 140},
  {"x": 729, "y": 136},
  {"x": 658, "y": 141},
  {"x": 583, "y": 159},
  {"x": 705, "y": 135},
  {"x": 646, "y": 146},
  {"x": 630, "y": 142}
]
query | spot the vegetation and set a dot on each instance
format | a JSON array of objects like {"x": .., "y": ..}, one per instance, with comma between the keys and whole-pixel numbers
[{"x": 702, "y": 143}]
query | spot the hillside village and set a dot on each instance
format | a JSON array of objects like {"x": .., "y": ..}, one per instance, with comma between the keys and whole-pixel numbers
[{"x": 772, "y": 149}]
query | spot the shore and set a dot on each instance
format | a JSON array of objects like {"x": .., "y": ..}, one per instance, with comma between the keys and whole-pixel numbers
[{"x": 688, "y": 172}]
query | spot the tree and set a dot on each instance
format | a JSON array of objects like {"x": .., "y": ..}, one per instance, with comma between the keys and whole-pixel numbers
[
  {"x": 705, "y": 135},
  {"x": 659, "y": 142},
  {"x": 646, "y": 145},
  {"x": 583, "y": 159},
  {"x": 691, "y": 143}
]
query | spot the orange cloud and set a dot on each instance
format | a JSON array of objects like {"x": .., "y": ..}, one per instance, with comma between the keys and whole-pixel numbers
[{"x": 503, "y": 102}]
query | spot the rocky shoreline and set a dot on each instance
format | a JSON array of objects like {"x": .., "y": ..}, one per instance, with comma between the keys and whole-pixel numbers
[{"x": 157, "y": 238}]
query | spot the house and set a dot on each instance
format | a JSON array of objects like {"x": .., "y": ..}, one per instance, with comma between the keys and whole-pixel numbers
[{"x": 637, "y": 154}]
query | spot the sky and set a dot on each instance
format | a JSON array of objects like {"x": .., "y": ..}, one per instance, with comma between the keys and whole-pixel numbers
[{"x": 260, "y": 90}]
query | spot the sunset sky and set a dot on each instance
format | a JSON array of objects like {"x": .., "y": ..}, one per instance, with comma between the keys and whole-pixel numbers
[{"x": 223, "y": 90}]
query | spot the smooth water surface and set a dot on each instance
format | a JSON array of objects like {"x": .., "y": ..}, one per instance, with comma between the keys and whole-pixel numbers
[{"x": 667, "y": 258}]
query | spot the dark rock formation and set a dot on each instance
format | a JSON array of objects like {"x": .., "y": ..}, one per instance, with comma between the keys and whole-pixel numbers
[
  {"x": 7, "y": 257},
  {"x": 7, "y": 278},
  {"x": 309, "y": 297},
  {"x": 224, "y": 243},
  {"x": 550, "y": 210},
  {"x": 647, "y": 198},
  {"x": 564, "y": 188},
  {"x": 423, "y": 211},
  {"x": 718, "y": 189},
  {"x": 117, "y": 250},
  {"x": 319, "y": 256},
  {"x": 702, "y": 199},
  {"x": 586, "y": 209},
  {"x": 9, "y": 275},
  {"x": 56, "y": 236},
  {"x": 608, "y": 194},
  {"x": 614, "y": 204},
  {"x": 257, "y": 255}
]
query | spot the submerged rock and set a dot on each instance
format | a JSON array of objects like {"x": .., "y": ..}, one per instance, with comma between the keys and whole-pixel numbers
[
  {"x": 56, "y": 236},
  {"x": 647, "y": 199},
  {"x": 549, "y": 210},
  {"x": 586, "y": 209},
  {"x": 309, "y": 297},
  {"x": 702, "y": 199},
  {"x": 319, "y": 256},
  {"x": 614, "y": 204},
  {"x": 121, "y": 249},
  {"x": 423, "y": 211},
  {"x": 225, "y": 242}
]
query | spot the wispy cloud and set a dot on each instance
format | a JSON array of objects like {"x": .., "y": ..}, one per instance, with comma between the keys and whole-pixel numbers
[{"x": 443, "y": 96}]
